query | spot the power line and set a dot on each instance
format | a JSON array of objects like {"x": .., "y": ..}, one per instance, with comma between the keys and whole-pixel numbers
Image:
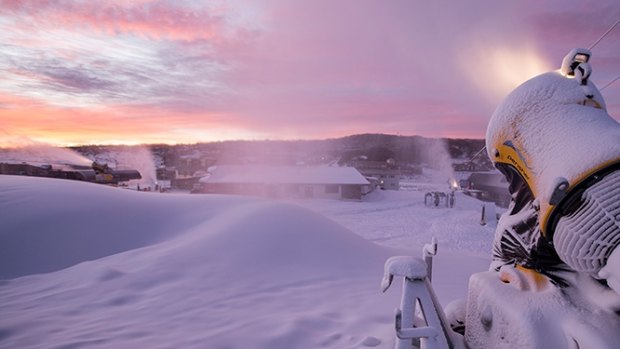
[
  {"x": 596, "y": 43},
  {"x": 601, "y": 89},
  {"x": 609, "y": 83},
  {"x": 604, "y": 35},
  {"x": 478, "y": 153}
]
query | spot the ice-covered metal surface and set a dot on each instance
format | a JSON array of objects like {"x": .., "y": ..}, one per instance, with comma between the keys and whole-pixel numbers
[
  {"x": 510, "y": 314},
  {"x": 555, "y": 131},
  {"x": 585, "y": 239}
]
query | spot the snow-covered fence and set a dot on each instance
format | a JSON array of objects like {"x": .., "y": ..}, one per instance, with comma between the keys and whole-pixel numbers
[{"x": 419, "y": 319}]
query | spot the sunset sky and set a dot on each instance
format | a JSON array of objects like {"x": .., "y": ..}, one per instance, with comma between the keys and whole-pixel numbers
[{"x": 181, "y": 71}]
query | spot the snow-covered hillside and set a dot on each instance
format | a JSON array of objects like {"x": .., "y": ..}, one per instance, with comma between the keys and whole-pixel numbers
[{"x": 91, "y": 266}]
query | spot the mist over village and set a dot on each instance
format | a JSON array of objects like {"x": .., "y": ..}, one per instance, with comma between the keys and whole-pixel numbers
[{"x": 183, "y": 165}]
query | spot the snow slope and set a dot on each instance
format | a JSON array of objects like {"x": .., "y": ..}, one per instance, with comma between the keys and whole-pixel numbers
[
  {"x": 50, "y": 224},
  {"x": 90, "y": 266}
]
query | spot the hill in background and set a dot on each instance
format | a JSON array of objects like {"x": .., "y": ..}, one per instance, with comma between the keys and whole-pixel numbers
[{"x": 405, "y": 150}]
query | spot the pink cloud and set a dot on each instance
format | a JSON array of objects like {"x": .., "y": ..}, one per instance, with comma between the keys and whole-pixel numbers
[
  {"x": 308, "y": 69},
  {"x": 159, "y": 19}
]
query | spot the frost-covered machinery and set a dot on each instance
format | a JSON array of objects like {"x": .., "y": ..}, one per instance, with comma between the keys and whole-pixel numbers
[
  {"x": 554, "y": 281},
  {"x": 97, "y": 173},
  {"x": 437, "y": 198}
]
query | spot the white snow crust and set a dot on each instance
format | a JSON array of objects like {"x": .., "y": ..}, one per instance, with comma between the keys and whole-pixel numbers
[
  {"x": 88, "y": 266},
  {"x": 511, "y": 315},
  {"x": 611, "y": 271},
  {"x": 411, "y": 267},
  {"x": 558, "y": 135}
]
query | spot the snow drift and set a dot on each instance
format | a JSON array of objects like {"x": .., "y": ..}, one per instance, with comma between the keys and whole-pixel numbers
[
  {"x": 48, "y": 224},
  {"x": 91, "y": 266}
]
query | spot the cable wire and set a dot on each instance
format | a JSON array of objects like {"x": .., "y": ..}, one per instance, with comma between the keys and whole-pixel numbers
[
  {"x": 604, "y": 35},
  {"x": 609, "y": 83},
  {"x": 478, "y": 153},
  {"x": 596, "y": 43}
]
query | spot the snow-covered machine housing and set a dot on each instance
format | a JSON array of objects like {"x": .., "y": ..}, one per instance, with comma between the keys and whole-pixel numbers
[
  {"x": 555, "y": 277},
  {"x": 97, "y": 173},
  {"x": 560, "y": 150}
]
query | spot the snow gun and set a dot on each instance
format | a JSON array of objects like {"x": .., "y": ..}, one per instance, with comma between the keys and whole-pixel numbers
[
  {"x": 96, "y": 172},
  {"x": 560, "y": 151},
  {"x": 104, "y": 174},
  {"x": 554, "y": 281}
]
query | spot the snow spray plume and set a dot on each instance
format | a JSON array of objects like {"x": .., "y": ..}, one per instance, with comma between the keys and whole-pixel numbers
[
  {"x": 438, "y": 158},
  {"x": 22, "y": 149},
  {"x": 141, "y": 159}
]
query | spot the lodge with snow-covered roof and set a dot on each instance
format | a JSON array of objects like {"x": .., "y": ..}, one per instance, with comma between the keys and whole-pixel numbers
[{"x": 286, "y": 181}]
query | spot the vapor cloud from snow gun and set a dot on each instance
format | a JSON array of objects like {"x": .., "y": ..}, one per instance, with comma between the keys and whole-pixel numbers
[
  {"x": 134, "y": 157},
  {"x": 24, "y": 149},
  {"x": 141, "y": 159},
  {"x": 438, "y": 158},
  {"x": 17, "y": 149}
]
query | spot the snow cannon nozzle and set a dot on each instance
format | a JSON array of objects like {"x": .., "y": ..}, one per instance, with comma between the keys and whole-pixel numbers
[
  {"x": 100, "y": 168},
  {"x": 576, "y": 65},
  {"x": 582, "y": 72},
  {"x": 574, "y": 59}
]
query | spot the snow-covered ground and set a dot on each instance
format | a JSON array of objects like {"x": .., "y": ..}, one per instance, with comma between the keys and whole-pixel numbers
[{"x": 88, "y": 266}]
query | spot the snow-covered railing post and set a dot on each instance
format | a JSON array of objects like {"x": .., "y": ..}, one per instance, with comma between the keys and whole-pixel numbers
[
  {"x": 431, "y": 330},
  {"x": 428, "y": 252}
]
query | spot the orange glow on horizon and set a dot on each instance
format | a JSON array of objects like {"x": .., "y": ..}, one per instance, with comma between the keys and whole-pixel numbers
[
  {"x": 28, "y": 119},
  {"x": 74, "y": 127},
  {"x": 23, "y": 118}
]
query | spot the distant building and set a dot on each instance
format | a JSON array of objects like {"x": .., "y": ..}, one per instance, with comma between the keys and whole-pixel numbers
[
  {"x": 487, "y": 186},
  {"x": 184, "y": 182},
  {"x": 188, "y": 165},
  {"x": 388, "y": 173},
  {"x": 468, "y": 166},
  {"x": 388, "y": 179},
  {"x": 286, "y": 181}
]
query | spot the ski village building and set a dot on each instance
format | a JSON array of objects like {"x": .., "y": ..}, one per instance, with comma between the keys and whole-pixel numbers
[
  {"x": 487, "y": 186},
  {"x": 387, "y": 174},
  {"x": 286, "y": 181}
]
